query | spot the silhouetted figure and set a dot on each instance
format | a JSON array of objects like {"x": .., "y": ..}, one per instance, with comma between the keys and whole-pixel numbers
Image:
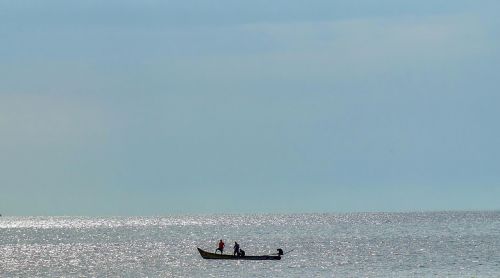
[{"x": 236, "y": 249}]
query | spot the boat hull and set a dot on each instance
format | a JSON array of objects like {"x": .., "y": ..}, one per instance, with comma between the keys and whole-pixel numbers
[{"x": 213, "y": 256}]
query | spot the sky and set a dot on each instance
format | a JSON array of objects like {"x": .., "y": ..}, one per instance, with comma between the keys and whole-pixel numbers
[{"x": 286, "y": 106}]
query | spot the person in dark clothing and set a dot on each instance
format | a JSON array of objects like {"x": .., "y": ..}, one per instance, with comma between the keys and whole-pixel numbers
[
  {"x": 236, "y": 249},
  {"x": 221, "y": 247}
]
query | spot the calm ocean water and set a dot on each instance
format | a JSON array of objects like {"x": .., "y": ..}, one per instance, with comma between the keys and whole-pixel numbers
[{"x": 441, "y": 244}]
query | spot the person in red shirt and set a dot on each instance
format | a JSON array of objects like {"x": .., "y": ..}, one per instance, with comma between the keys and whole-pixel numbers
[{"x": 221, "y": 247}]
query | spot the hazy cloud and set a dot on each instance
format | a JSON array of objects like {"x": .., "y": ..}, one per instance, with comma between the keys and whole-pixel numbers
[{"x": 42, "y": 119}]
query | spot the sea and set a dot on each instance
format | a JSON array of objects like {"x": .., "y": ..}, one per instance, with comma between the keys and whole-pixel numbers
[{"x": 413, "y": 244}]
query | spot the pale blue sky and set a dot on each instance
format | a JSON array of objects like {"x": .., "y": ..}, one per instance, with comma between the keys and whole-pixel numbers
[{"x": 157, "y": 107}]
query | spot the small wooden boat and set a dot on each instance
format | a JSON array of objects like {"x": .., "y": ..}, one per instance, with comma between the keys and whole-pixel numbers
[{"x": 213, "y": 256}]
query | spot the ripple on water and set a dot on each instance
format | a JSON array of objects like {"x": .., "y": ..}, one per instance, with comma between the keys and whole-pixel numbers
[{"x": 345, "y": 245}]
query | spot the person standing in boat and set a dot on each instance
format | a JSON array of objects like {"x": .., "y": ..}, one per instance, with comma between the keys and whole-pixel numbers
[
  {"x": 236, "y": 249},
  {"x": 221, "y": 247}
]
